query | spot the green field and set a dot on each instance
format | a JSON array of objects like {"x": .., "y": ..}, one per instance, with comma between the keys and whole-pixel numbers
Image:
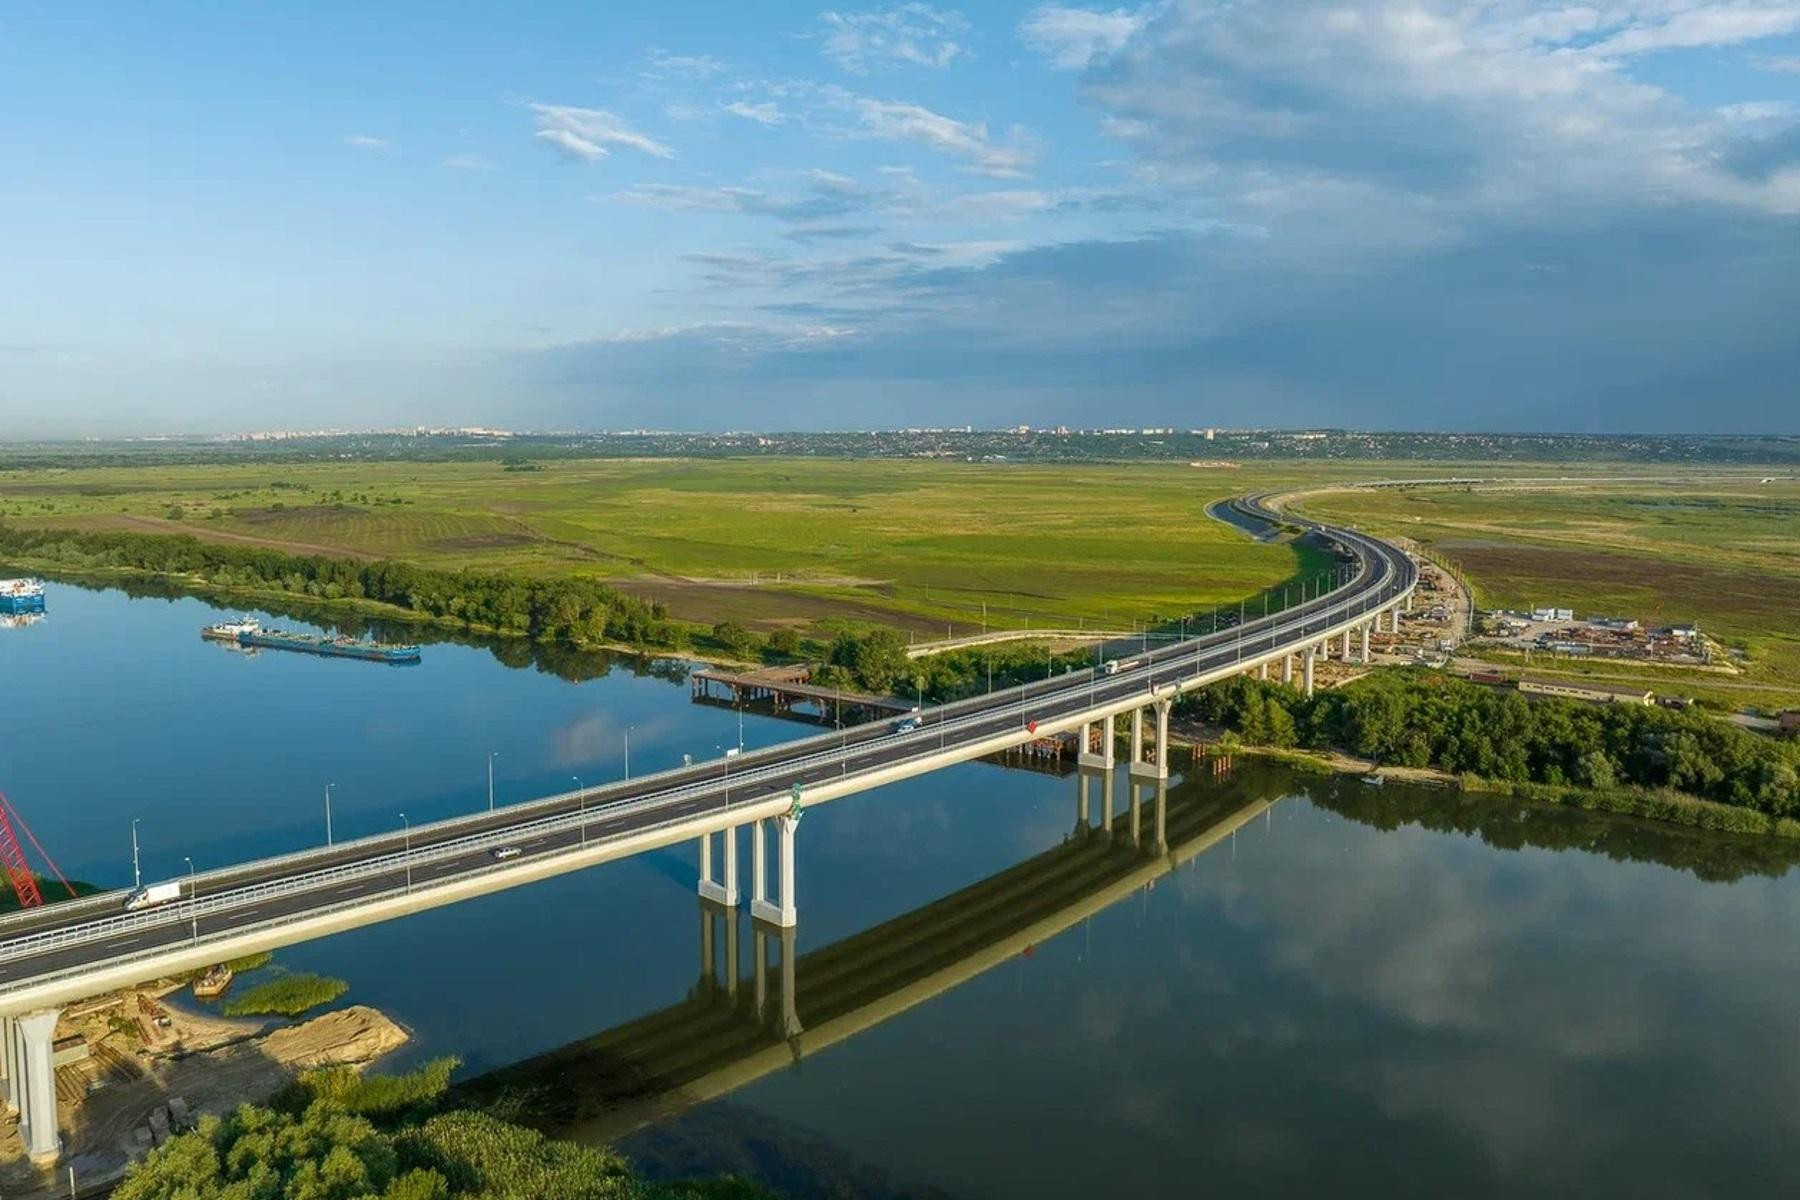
[
  {"x": 921, "y": 544},
  {"x": 927, "y": 544},
  {"x": 1724, "y": 552}
]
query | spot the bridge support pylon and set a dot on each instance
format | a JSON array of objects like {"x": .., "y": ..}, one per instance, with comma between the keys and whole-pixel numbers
[
  {"x": 1157, "y": 767},
  {"x": 1287, "y": 669},
  {"x": 782, "y": 911},
  {"x": 1262, "y": 669},
  {"x": 1345, "y": 653},
  {"x": 1365, "y": 644},
  {"x": 1098, "y": 755},
  {"x": 31, "y": 1080},
  {"x": 724, "y": 890},
  {"x": 1306, "y": 664}
]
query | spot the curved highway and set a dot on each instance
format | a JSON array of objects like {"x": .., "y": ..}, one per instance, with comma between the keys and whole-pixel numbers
[{"x": 65, "y": 951}]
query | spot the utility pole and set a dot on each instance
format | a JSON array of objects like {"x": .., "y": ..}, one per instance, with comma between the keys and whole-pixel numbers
[
  {"x": 193, "y": 896},
  {"x": 137, "y": 876}
]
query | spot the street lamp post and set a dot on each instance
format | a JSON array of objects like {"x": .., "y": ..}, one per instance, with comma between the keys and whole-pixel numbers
[
  {"x": 328, "y": 788},
  {"x": 492, "y": 755},
  {"x": 193, "y": 896},
  {"x": 628, "y": 754},
  {"x": 406, "y": 827},
  {"x": 137, "y": 876}
]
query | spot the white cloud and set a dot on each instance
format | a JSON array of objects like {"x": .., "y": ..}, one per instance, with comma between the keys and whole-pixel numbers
[
  {"x": 911, "y": 35},
  {"x": 765, "y": 113},
  {"x": 586, "y": 133},
  {"x": 1757, "y": 112},
  {"x": 363, "y": 141},
  {"x": 1703, "y": 25},
  {"x": 468, "y": 162},
  {"x": 1779, "y": 64},
  {"x": 897, "y": 120},
  {"x": 686, "y": 66},
  {"x": 1072, "y": 37},
  {"x": 1376, "y": 121}
]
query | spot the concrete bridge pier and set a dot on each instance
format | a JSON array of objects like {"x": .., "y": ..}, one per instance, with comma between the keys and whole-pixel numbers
[
  {"x": 1158, "y": 767},
  {"x": 1100, "y": 756},
  {"x": 9, "y": 1067},
  {"x": 1365, "y": 645},
  {"x": 1083, "y": 823},
  {"x": 712, "y": 975},
  {"x": 1306, "y": 660},
  {"x": 781, "y": 913},
  {"x": 1287, "y": 669},
  {"x": 1345, "y": 653},
  {"x": 1262, "y": 669},
  {"x": 1137, "y": 815},
  {"x": 719, "y": 891},
  {"x": 27, "y": 1054}
]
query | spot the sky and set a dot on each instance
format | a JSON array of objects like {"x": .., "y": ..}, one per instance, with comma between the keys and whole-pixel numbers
[{"x": 1496, "y": 215}]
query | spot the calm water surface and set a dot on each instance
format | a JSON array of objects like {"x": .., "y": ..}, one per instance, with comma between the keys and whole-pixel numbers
[{"x": 1334, "y": 998}]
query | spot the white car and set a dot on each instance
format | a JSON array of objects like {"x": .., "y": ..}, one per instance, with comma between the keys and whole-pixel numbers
[{"x": 502, "y": 853}]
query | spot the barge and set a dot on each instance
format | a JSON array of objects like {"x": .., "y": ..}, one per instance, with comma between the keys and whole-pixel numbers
[
  {"x": 249, "y": 633},
  {"x": 21, "y": 596}
]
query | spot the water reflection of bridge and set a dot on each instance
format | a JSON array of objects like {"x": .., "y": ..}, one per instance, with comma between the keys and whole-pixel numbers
[{"x": 734, "y": 1028}]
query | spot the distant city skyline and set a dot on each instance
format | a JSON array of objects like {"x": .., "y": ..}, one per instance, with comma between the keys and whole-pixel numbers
[{"x": 1499, "y": 217}]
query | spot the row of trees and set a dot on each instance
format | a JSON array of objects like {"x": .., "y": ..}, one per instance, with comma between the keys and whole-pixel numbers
[
  {"x": 339, "y": 1136},
  {"x": 874, "y": 660},
  {"x": 1419, "y": 720},
  {"x": 564, "y": 609}
]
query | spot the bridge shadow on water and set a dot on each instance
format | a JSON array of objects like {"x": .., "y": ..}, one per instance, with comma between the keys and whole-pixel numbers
[{"x": 741, "y": 1021}]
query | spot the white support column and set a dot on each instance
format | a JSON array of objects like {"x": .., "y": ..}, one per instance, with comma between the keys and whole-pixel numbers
[
  {"x": 8, "y": 1065},
  {"x": 1100, "y": 757},
  {"x": 1345, "y": 655},
  {"x": 1365, "y": 644},
  {"x": 1262, "y": 669},
  {"x": 1287, "y": 669},
  {"x": 781, "y": 912},
  {"x": 1306, "y": 659},
  {"x": 719, "y": 891},
  {"x": 37, "y": 1110},
  {"x": 1137, "y": 741},
  {"x": 1158, "y": 767},
  {"x": 1323, "y": 650},
  {"x": 1137, "y": 814}
]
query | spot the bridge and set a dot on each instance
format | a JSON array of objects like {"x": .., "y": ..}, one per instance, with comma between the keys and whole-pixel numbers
[
  {"x": 732, "y": 1029},
  {"x": 61, "y": 953}
]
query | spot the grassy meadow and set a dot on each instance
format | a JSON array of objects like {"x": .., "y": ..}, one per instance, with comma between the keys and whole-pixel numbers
[
  {"x": 926, "y": 544},
  {"x": 794, "y": 542},
  {"x": 1722, "y": 550}
]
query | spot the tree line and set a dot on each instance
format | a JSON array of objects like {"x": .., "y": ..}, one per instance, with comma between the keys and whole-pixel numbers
[
  {"x": 560, "y": 609},
  {"x": 874, "y": 660},
  {"x": 1417, "y": 720},
  {"x": 337, "y": 1135}
]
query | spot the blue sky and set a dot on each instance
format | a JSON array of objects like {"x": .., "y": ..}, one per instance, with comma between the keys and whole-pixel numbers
[{"x": 1491, "y": 215}]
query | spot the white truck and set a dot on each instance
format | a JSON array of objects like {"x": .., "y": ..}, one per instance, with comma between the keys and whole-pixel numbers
[{"x": 149, "y": 897}]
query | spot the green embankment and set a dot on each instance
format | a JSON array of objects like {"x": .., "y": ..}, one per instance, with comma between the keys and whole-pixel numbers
[{"x": 286, "y": 995}]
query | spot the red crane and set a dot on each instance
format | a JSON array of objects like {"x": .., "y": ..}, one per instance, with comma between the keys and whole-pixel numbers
[{"x": 13, "y": 861}]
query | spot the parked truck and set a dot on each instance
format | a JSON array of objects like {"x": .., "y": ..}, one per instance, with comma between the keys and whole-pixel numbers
[{"x": 150, "y": 897}]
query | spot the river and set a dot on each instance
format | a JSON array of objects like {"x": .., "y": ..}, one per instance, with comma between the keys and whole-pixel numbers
[{"x": 1344, "y": 989}]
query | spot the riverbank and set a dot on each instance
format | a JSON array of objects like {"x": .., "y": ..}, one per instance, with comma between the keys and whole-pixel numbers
[
  {"x": 1661, "y": 805},
  {"x": 143, "y": 1066}
]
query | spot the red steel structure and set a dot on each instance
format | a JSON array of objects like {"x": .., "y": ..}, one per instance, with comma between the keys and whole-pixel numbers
[{"x": 13, "y": 861}]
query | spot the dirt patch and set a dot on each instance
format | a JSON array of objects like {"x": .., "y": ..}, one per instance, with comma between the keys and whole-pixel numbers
[{"x": 105, "y": 1129}]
